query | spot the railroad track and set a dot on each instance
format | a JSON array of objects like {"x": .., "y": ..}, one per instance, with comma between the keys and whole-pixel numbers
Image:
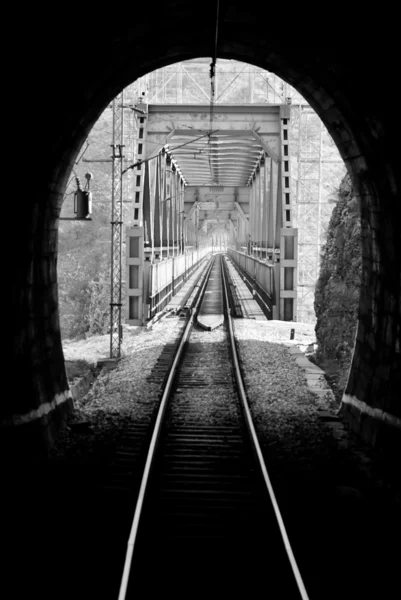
[{"x": 206, "y": 516}]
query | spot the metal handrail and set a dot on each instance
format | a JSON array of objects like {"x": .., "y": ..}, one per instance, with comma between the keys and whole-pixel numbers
[{"x": 254, "y": 258}]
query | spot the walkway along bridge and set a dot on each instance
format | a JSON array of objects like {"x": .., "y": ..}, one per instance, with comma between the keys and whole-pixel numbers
[{"x": 204, "y": 176}]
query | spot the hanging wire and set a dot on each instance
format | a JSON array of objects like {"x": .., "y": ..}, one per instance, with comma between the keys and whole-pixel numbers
[
  {"x": 213, "y": 65},
  {"x": 212, "y": 72},
  {"x": 82, "y": 155},
  {"x": 212, "y": 84}
]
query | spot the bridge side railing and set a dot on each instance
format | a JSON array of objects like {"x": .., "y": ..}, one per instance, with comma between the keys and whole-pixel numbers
[
  {"x": 274, "y": 282},
  {"x": 168, "y": 276},
  {"x": 258, "y": 274}
]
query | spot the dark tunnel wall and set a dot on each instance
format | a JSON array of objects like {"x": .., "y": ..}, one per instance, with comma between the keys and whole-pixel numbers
[{"x": 66, "y": 75}]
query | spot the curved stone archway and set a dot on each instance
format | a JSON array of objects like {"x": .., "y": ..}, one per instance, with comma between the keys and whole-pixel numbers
[{"x": 68, "y": 85}]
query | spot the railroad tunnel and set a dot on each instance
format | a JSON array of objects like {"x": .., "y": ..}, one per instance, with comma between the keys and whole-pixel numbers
[{"x": 65, "y": 83}]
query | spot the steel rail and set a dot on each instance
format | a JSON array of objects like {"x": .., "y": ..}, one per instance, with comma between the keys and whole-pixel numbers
[
  {"x": 153, "y": 444},
  {"x": 258, "y": 451}
]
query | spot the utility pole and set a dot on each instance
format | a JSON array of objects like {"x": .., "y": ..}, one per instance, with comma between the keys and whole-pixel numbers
[{"x": 116, "y": 226}]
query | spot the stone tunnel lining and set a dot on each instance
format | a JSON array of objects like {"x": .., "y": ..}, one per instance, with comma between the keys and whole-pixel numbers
[{"x": 360, "y": 123}]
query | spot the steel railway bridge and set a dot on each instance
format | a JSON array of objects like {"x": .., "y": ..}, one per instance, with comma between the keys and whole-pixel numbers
[{"x": 196, "y": 187}]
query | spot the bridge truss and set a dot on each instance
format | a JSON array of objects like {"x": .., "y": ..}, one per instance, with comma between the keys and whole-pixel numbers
[
  {"x": 316, "y": 166},
  {"x": 239, "y": 83}
]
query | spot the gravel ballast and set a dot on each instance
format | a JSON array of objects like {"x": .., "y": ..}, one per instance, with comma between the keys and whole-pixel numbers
[
  {"x": 119, "y": 394},
  {"x": 339, "y": 499}
]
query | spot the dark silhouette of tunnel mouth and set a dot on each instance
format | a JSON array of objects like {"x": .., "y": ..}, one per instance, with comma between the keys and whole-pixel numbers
[{"x": 357, "y": 127}]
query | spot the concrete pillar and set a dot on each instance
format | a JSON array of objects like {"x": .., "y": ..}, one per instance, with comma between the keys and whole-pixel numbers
[{"x": 134, "y": 313}]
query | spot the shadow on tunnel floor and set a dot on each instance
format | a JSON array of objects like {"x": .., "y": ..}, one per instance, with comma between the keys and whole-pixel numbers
[{"x": 66, "y": 538}]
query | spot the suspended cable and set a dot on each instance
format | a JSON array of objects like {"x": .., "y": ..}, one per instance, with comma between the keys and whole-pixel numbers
[
  {"x": 214, "y": 58},
  {"x": 212, "y": 84},
  {"x": 80, "y": 158},
  {"x": 213, "y": 65}
]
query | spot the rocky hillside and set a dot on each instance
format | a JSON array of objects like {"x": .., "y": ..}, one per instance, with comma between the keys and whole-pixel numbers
[
  {"x": 84, "y": 275},
  {"x": 337, "y": 289}
]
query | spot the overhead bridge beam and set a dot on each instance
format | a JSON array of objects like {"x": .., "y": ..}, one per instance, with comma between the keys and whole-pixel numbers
[
  {"x": 223, "y": 131},
  {"x": 216, "y": 158}
]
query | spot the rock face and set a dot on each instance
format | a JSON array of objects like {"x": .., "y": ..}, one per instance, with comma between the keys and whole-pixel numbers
[{"x": 338, "y": 288}]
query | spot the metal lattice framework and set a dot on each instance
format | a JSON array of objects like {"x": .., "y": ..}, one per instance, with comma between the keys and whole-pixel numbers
[
  {"x": 314, "y": 179},
  {"x": 308, "y": 209},
  {"x": 189, "y": 82},
  {"x": 116, "y": 227},
  {"x": 315, "y": 156},
  {"x": 130, "y": 134},
  {"x": 225, "y": 158}
]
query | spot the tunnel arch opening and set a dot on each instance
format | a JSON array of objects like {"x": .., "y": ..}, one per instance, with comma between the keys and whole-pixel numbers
[
  {"x": 362, "y": 133},
  {"x": 188, "y": 83}
]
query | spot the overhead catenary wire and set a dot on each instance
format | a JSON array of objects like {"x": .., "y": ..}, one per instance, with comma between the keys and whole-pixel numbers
[
  {"x": 145, "y": 160},
  {"x": 85, "y": 149},
  {"x": 212, "y": 75}
]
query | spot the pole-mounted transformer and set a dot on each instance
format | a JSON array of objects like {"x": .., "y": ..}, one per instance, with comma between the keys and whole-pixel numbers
[{"x": 83, "y": 199}]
